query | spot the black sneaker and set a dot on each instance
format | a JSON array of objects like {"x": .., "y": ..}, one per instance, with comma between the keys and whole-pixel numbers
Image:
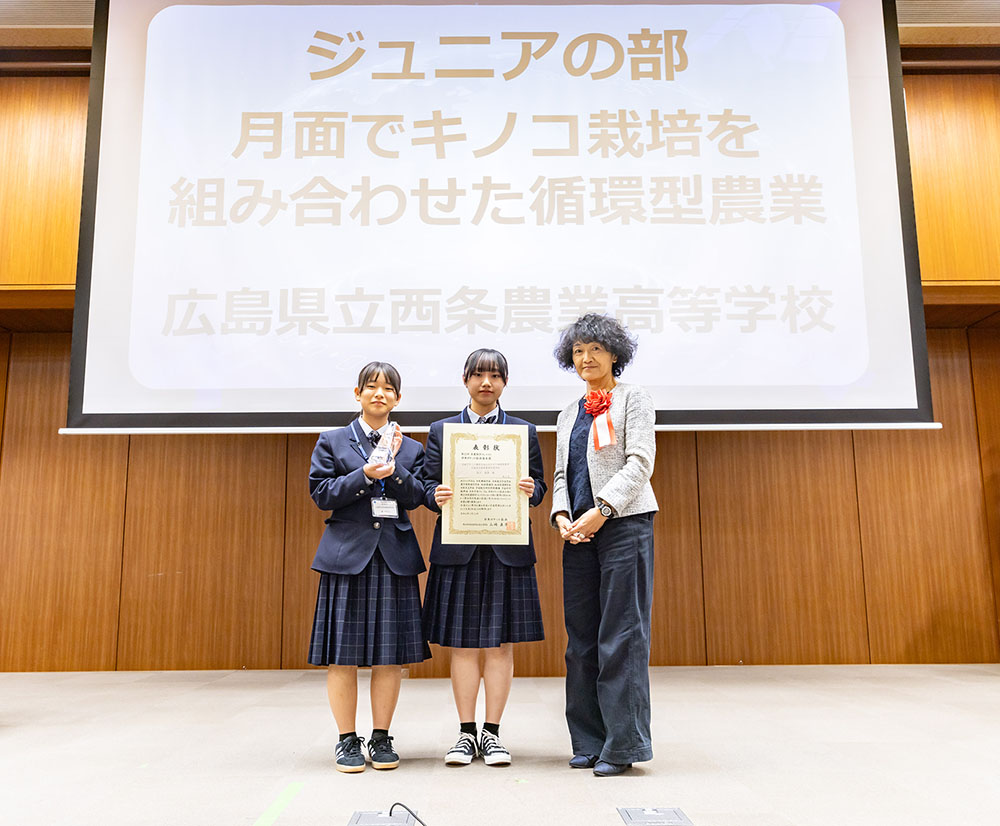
[
  {"x": 350, "y": 758},
  {"x": 381, "y": 753},
  {"x": 494, "y": 754},
  {"x": 462, "y": 753}
]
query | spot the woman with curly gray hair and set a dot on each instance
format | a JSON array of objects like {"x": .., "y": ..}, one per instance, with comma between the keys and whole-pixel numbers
[{"x": 603, "y": 506}]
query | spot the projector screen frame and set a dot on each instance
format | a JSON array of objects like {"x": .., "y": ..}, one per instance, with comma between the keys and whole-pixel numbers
[{"x": 692, "y": 419}]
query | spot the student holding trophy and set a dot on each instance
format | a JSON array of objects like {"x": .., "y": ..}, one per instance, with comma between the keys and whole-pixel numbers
[
  {"x": 368, "y": 605},
  {"x": 481, "y": 598}
]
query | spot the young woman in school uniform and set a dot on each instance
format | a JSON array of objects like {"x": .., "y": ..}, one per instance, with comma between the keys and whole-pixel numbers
[
  {"x": 368, "y": 605},
  {"x": 481, "y": 599}
]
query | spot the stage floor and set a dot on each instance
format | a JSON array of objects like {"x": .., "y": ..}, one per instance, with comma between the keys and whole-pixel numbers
[{"x": 734, "y": 746}]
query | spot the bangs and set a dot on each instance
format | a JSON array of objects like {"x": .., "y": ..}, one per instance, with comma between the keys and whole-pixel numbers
[
  {"x": 486, "y": 361},
  {"x": 376, "y": 369}
]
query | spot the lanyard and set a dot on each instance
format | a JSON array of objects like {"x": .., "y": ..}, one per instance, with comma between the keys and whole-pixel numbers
[{"x": 366, "y": 453}]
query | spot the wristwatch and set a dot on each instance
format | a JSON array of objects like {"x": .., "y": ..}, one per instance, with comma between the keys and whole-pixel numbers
[{"x": 606, "y": 510}]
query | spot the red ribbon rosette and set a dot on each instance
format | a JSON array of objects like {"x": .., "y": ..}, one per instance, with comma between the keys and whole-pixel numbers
[{"x": 598, "y": 404}]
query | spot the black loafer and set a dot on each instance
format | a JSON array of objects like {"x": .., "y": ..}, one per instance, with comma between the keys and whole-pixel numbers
[
  {"x": 583, "y": 761},
  {"x": 606, "y": 769}
]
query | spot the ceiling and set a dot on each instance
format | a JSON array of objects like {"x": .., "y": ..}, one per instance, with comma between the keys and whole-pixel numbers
[
  {"x": 911, "y": 12},
  {"x": 46, "y": 12},
  {"x": 39, "y": 25},
  {"x": 930, "y": 12}
]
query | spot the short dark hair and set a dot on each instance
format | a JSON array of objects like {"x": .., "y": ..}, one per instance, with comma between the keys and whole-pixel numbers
[
  {"x": 485, "y": 360},
  {"x": 606, "y": 331},
  {"x": 374, "y": 369}
]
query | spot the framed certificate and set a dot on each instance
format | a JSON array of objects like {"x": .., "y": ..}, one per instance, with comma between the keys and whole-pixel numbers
[{"x": 482, "y": 463}]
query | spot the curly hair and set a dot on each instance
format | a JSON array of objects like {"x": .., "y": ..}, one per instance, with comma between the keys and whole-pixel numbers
[{"x": 606, "y": 331}]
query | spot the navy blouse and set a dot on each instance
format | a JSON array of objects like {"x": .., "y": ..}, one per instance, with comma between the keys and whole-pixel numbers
[{"x": 581, "y": 496}]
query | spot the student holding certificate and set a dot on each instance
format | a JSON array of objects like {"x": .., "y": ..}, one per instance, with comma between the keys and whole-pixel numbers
[
  {"x": 481, "y": 598},
  {"x": 368, "y": 605}
]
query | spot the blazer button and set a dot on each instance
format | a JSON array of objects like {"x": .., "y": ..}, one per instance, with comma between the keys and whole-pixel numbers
[{"x": 376, "y": 525}]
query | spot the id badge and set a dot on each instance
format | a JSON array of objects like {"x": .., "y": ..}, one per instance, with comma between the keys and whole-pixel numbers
[{"x": 385, "y": 508}]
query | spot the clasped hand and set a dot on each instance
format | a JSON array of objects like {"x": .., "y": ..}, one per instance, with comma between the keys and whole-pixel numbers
[{"x": 589, "y": 523}]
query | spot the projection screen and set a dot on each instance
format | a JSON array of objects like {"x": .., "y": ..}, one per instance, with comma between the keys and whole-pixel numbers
[{"x": 278, "y": 193}]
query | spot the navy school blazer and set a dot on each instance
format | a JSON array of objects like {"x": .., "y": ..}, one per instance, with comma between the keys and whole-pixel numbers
[
  {"x": 337, "y": 483},
  {"x": 513, "y": 555}
]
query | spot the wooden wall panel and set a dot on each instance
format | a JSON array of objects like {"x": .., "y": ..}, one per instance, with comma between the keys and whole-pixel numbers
[
  {"x": 303, "y": 528},
  {"x": 4, "y": 353},
  {"x": 42, "y": 130},
  {"x": 62, "y": 504},
  {"x": 212, "y": 521},
  {"x": 204, "y": 541},
  {"x": 923, "y": 527},
  {"x": 678, "y": 597},
  {"x": 954, "y": 131},
  {"x": 984, "y": 351},
  {"x": 548, "y": 656},
  {"x": 780, "y": 542}
]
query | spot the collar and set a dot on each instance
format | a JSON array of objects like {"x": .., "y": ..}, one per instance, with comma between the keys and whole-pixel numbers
[
  {"x": 368, "y": 430},
  {"x": 474, "y": 417}
]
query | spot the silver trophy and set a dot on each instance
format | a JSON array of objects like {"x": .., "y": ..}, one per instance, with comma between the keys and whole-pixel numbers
[{"x": 382, "y": 455}]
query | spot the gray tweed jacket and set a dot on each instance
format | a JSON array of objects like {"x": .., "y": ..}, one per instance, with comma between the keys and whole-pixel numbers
[{"x": 619, "y": 473}]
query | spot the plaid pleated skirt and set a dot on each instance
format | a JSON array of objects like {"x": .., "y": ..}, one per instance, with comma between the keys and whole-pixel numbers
[
  {"x": 482, "y": 604},
  {"x": 370, "y": 618}
]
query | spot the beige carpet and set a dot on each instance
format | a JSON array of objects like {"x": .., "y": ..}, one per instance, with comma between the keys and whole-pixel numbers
[{"x": 746, "y": 746}]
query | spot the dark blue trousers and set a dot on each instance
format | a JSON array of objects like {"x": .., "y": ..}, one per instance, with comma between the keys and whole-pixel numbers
[{"x": 607, "y": 597}]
